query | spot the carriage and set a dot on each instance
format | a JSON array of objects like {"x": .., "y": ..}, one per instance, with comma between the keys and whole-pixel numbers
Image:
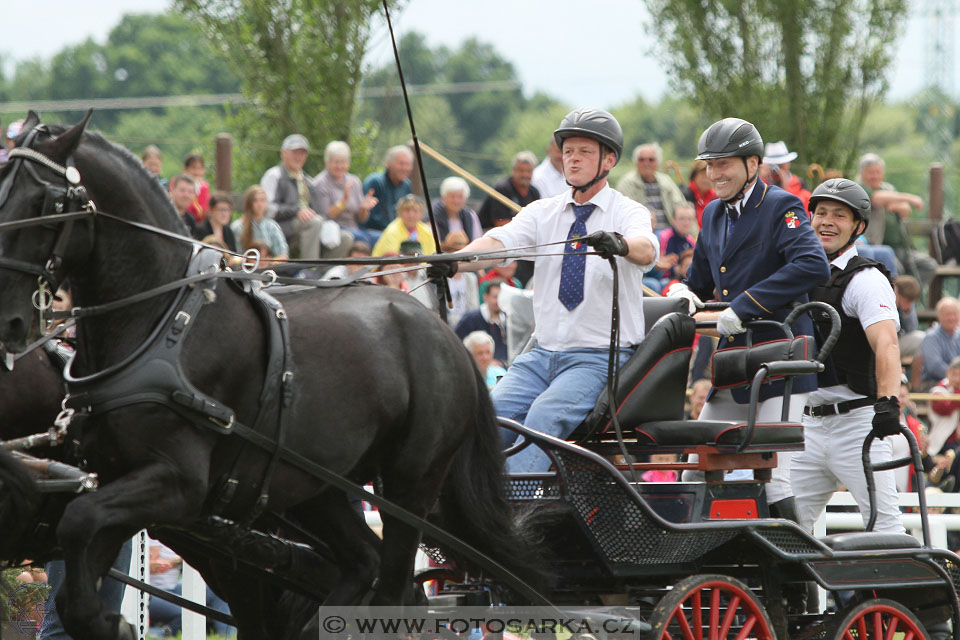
[{"x": 682, "y": 559}]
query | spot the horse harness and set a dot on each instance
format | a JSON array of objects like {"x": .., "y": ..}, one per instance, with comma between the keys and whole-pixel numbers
[{"x": 154, "y": 374}]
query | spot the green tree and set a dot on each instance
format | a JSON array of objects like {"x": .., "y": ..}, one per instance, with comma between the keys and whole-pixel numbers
[
  {"x": 300, "y": 64},
  {"x": 805, "y": 72}
]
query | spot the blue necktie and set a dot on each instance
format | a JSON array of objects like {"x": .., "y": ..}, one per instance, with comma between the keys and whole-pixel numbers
[
  {"x": 574, "y": 259},
  {"x": 732, "y": 217}
]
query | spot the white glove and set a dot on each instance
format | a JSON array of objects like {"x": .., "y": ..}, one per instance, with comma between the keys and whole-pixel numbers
[
  {"x": 680, "y": 290},
  {"x": 728, "y": 323}
]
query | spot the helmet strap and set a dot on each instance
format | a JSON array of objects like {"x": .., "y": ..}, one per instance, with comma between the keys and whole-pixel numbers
[
  {"x": 743, "y": 190},
  {"x": 856, "y": 233},
  {"x": 601, "y": 174}
]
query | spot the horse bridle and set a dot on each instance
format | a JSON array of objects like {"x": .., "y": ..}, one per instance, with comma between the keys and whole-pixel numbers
[{"x": 57, "y": 200}]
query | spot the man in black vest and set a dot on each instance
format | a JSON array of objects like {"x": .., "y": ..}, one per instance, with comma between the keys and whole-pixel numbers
[{"x": 859, "y": 387}]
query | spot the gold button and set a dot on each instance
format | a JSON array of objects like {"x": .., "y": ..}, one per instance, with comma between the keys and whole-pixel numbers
[
  {"x": 724, "y": 292},
  {"x": 723, "y": 269},
  {"x": 729, "y": 338}
]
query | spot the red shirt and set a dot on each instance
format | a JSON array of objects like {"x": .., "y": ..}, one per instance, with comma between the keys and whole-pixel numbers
[{"x": 701, "y": 200}]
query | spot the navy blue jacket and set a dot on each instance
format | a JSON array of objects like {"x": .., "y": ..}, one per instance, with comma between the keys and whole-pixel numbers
[{"x": 771, "y": 260}]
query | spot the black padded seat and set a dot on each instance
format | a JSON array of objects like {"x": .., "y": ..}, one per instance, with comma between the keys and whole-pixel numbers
[
  {"x": 686, "y": 434},
  {"x": 653, "y": 382},
  {"x": 867, "y": 540}
]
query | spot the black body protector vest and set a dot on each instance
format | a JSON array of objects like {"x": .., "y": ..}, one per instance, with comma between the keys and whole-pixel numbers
[{"x": 852, "y": 361}]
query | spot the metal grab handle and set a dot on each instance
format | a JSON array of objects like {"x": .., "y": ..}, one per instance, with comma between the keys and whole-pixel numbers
[
  {"x": 831, "y": 340},
  {"x": 915, "y": 460}
]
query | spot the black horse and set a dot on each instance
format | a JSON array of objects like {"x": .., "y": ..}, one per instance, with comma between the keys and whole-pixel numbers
[{"x": 382, "y": 390}]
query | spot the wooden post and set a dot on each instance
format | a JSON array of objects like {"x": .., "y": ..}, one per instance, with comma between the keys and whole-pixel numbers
[
  {"x": 936, "y": 191},
  {"x": 935, "y": 213},
  {"x": 224, "y": 162}
]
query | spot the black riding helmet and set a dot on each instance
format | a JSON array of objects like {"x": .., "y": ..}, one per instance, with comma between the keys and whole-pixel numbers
[
  {"x": 845, "y": 192},
  {"x": 731, "y": 137},
  {"x": 595, "y": 124}
]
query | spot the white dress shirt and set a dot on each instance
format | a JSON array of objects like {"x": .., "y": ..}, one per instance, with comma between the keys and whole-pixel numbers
[
  {"x": 588, "y": 324},
  {"x": 548, "y": 180}
]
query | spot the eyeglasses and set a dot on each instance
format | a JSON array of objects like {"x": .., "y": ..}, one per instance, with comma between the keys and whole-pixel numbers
[{"x": 646, "y": 159}]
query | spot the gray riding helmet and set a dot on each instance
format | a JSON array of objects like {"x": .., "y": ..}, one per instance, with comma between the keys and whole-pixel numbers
[
  {"x": 730, "y": 137},
  {"x": 596, "y": 124},
  {"x": 845, "y": 192}
]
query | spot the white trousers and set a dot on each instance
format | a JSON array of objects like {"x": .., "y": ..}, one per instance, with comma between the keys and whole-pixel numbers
[
  {"x": 832, "y": 458},
  {"x": 723, "y": 407}
]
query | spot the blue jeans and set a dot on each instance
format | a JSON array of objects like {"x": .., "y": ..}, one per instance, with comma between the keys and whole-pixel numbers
[
  {"x": 170, "y": 615},
  {"x": 111, "y": 592},
  {"x": 551, "y": 392},
  {"x": 365, "y": 235},
  {"x": 882, "y": 254}
]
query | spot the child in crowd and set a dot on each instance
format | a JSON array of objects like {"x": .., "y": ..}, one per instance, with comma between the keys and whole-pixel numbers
[
  {"x": 944, "y": 419},
  {"x": 408, "y": 225},
  {"x": 194, "y": 167},
  {"x": 254, "y": 225}
]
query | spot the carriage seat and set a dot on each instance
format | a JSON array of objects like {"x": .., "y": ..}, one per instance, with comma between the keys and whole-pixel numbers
[
  {"x": 867, "y": 540},
  {"x": 736, "y": 368},
  {"x": 653, "y": 382}
]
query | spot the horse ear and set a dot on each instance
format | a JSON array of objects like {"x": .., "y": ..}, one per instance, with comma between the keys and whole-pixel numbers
[
  {"x": 31, "y": 121},
  {"x": 66, "y": 143}
]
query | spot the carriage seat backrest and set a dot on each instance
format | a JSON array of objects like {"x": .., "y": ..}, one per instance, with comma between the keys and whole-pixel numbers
[
  {"x": 653, "y": 381},
  {"x": 736, "y": 367}
]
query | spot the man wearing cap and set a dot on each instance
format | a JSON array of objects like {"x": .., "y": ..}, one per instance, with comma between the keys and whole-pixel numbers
[
  {"x": 293, "y": 203},
  {"x": 777, "y": 158},
  {"x": 756, "y": 250},
  {"x": 651, "y": 187},
  {"x": 554, "y": 386}
]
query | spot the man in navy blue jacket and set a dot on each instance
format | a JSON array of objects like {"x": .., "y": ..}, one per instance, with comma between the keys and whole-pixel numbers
[{"x": 757, "y": 251}]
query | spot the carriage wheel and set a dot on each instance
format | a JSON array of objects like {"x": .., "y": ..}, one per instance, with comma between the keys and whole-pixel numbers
[
  {"x": 709, "y": 607},
  {"x": 878, "y": 619}
]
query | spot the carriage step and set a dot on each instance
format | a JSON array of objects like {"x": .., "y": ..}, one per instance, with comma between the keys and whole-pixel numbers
[{"x": 867, "y": 540}]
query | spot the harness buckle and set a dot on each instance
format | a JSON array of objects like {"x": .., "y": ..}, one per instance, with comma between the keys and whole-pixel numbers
[{"x": 182, "y": 318}]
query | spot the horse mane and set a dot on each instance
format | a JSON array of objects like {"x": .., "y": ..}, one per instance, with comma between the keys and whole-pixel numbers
[{"x": 100, "y": 143}]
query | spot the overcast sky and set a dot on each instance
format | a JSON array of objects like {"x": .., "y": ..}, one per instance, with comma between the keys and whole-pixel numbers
[{"x": 606, "y": 62}]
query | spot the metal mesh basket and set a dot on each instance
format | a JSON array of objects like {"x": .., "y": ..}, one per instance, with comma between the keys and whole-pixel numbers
[{"x": 620, "y": 528}]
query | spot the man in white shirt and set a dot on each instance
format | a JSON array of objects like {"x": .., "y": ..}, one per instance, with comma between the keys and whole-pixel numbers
[
  {"x": 553, "y": 387},
  {"x": 858, "y": 390},
  {"x": 548, "y": 175}
]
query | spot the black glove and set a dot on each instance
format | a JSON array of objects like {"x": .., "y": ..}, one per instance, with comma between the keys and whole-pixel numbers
[
  {"x": 886, "y": 417},
  {"x": 607, "y": 243},
  {"x": 442, "y": 269}
]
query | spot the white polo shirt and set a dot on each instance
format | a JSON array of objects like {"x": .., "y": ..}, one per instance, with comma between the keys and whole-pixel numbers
[
  {"x": 588, "y": 324},
  {"x": 868, "y": 297}
]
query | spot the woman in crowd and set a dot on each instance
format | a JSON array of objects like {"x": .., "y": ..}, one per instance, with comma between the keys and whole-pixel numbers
[
  {"x": 254, "y": 225},
  {"x": 700, "y": 190},
  {"x": 408, "y": 226},
  {"x": 464, "y": 289},
  {"x": 451, "y": 211},
  {"x": 340, "y": 195},
  {"x": 217, "y": 222}
]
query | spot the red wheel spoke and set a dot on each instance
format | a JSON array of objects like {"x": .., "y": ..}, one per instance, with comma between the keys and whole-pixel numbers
[
  {"x": 696, "y": 605},
  {"x": 747, "y": 628},
  {"x": 714, "y": 613},
  {"x": 877, "y": 625},
  {"x": 891, "y": 628},
  {"x": 861, "y": 628},
  {"x": 847, "y": 635},
  {"x": 728, "y": 618},
  {"x": 684, "y": 625}
]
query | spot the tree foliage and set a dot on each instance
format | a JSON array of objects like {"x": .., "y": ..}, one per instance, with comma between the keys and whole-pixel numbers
[
  {"x": 805, "y": 72},
  {"x": 300, "y": 66}
]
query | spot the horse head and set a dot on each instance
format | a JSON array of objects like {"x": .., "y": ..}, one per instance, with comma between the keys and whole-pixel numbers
[{"x": 39, "y": 180}]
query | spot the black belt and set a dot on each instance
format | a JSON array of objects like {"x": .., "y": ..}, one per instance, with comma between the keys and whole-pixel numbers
[{"x": 835, "y": 409}]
